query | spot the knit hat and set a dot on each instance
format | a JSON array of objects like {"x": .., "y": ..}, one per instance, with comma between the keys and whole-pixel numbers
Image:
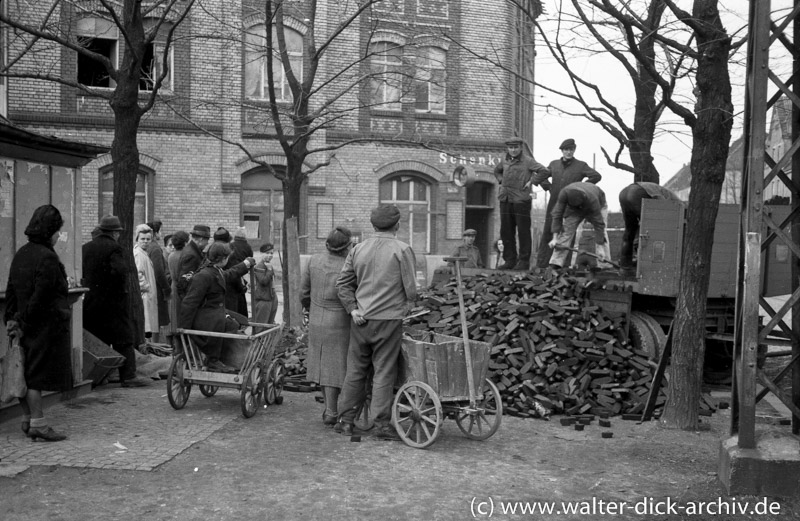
[
  {"x": 339, "y": 239},
  {"x": 385, "y": 216},
  {"x": 241, "y": 233},
  {"x": 567, "y": 143},
  {"x": 222, "y": 235}
]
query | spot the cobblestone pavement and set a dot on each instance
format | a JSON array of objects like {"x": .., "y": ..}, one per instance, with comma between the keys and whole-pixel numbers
[{"x": 116, "y": 428}]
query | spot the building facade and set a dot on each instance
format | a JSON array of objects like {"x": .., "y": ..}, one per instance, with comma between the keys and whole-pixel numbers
[{"x": 430, "y": 77}]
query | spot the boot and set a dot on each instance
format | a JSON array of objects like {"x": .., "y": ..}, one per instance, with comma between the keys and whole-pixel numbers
[{"x": 45, "y": 434}]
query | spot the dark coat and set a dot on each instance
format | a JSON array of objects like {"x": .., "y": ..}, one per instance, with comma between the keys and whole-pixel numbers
[
  {"x": 37, "y": 298},
  {"x": 191, "y": 260},
  {"x": 235, "y": 299},
  {"x": 106, "y": 314},
  {"x": 203, "y": 307},
  {"x": 163, "y": 289}
]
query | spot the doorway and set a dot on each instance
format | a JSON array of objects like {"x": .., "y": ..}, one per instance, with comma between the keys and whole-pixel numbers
[{"x": 479, "y": 215}]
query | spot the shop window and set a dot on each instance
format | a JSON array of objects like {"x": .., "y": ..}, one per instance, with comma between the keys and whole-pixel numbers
[
  {"x": 101, "y": 37},
  {"x": 256, "y": 83},
  {"x": 143, "y": 202},
  {"x": 430, "y": 80},
  {"x": 386, "y": 81},
  {"x": 412, "y": 195}
]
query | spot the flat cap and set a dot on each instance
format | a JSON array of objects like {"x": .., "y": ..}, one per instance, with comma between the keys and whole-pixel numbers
[
  {"x": 567, "y": 143},
  {"x": 385, "y": 216},
  {"x": 514, "y": 140},
  {"x": 201, "y": 230},
  {"x": 469, "y": 231}
]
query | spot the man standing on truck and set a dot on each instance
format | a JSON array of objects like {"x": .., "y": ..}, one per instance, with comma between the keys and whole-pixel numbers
[
  {"x": 630, "y": 202},
  {"x": 578, "y": 202},
  {"x": 564, "y": 171},
  {"x": 515, "y": 174}
]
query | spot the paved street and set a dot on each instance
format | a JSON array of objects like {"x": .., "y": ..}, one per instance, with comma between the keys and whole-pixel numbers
[{"x": 131, "y": 456}]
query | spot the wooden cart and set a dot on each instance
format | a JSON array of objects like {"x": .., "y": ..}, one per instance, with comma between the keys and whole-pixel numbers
[{"x": 260, "y": 376}]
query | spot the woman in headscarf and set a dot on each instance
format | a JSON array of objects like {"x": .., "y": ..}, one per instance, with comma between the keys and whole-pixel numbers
[
  {"x": 38, "y": 312},
  {"x": 329, "y": 322},
  {"x": 147, "y": 278}
]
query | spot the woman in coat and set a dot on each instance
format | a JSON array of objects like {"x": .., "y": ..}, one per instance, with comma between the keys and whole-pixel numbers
[
  {"x": 265, "y": 301},
  {"x": 328, "y": 323},
  {"x": 37, "y": 309},
  {"x": 203, "y": 307},
  {"x": 147, "y": 279}
]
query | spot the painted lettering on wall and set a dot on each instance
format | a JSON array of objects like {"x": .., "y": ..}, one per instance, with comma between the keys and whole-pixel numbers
[{"x": 490, "y": 160}]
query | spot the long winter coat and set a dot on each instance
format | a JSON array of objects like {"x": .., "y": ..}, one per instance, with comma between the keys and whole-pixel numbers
[
  {"x": 235, "y": 298},
  {"x": 161, "y": 273},
  {"x": 328, "y": 322},
  {"x": 148, "y": 288},
  {"x": 106, "y": 314},
  {"x": 37, "y": 298},
  {"x": 203, "y": 307},
  {"x": 173, "y": 262}
]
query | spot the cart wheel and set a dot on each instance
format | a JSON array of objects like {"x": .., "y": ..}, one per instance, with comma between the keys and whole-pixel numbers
[
  {"x": 276, "y": 373},
  {"x": 177, "y": 388},
  {"x": 250, "y": 391},
  {"x": 417, "y": 414},
  {"x": 208, "y": 390},
  {"x": 485, "y": 420}
]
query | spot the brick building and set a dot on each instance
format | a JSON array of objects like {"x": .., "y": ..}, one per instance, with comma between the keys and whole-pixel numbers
[{"x": 453, "y": 99}]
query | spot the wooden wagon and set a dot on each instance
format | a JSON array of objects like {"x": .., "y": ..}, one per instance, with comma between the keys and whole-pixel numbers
[{"x": 259, "y": 376}]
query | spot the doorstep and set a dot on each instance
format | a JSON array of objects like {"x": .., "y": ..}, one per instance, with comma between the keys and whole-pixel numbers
[{"x": 11, "y": 411}]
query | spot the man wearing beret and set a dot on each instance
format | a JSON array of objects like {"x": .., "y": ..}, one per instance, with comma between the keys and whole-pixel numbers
[
  {"x": 515, "y": 174},
  {"x": 564, "y": 171},
  {"x": 377, "y": 287},
  {"x": 578, "y": 202},
  {"x": 469, "y": 250}
]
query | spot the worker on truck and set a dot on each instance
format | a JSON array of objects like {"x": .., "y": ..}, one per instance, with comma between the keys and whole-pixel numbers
[
  {"x": 578, "y": 202},
  {"x": 630, "y": 202}
]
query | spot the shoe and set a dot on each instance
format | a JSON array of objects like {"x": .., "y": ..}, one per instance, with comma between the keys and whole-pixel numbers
[
  {"x": 507, "y": 266},
  {"x": 26, "y": 427},
  {"x": 135, "y": 382},
  {"x": 45, "y": 434},
  {"x": 522, "y": 266},
  {"x": 216, "y": 365},
  {"x": 329, "y": 419},
  {"x": 344, "y": 428},
  {"x": 388, "y": 433}
]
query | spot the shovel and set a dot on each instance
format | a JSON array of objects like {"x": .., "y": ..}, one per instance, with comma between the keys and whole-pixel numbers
[{"x": 464, "y": 334}]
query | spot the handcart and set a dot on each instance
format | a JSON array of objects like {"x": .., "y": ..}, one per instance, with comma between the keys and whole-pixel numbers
[
  {"x": 260, "y": 376},
  {"x": 446, "y": 377}
]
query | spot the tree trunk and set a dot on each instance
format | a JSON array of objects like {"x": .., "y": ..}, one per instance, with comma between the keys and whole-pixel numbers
[
  {"x": 711, "y": 138},
  {"x": 292, "y": 186}
]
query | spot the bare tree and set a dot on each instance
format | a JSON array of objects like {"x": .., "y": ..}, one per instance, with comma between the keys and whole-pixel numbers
[{"x": 40, "y": 33}]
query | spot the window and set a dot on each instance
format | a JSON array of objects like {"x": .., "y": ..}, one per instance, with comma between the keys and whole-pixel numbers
[
  {"x": 262, "y": 206},
  {"x": 413, "y": 196},
  {"x": 385, "y": 81},
  {"x": 430, "y": 80},
  {"x": 98, "y": 36},
  {"x": 153, "y": 66},
  {"x": 142, "y": 206},
  {"x": 255, "y": 64}
]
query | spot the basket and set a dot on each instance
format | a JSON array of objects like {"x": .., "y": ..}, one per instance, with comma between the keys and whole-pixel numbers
[
  {"x": 439, "y": 361},
  {"x": 98, "y": 358}
]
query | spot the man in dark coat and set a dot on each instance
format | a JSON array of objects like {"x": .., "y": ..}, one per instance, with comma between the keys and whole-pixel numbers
[
  {"x": 240, "y": 250},
  {"x": 106, "y": 313},
  {"x": 191, "y": 258},
  {"x": 563, "y": 172}
]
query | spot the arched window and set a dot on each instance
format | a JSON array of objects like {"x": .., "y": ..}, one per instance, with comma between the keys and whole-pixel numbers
[
  {"x": 431, "y": 80},
  {"x": 412, "y": 195},
  {"x": 143, "y": 203},
  {"x": 385, "y": 82},
  {"x": 255, "y": 63}
]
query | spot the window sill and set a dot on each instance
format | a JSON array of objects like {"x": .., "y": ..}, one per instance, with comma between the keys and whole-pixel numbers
[
  {"x": 430, "y": 115},
  {"x": 383, "y": 113}
]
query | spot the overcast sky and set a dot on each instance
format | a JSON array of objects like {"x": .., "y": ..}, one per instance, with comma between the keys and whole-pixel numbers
[{"x": 670, "y": 150}]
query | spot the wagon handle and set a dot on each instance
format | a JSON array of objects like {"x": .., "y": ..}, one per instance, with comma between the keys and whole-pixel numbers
[{"x": 463, "y": 312}]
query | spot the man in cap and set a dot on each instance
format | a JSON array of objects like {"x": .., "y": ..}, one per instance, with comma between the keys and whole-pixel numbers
[
  {"x": 191, "y": 258},
  {"x": 630, "y": 202},
  {"x": 578, "y": 202},
  {"x": 469, "y": 250},
  {"x": 515, "y": 174},
  {"x": 563, "y": 171},
  {"x": 377, "y": 287},
  {"x": 106, "y": 313}
]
